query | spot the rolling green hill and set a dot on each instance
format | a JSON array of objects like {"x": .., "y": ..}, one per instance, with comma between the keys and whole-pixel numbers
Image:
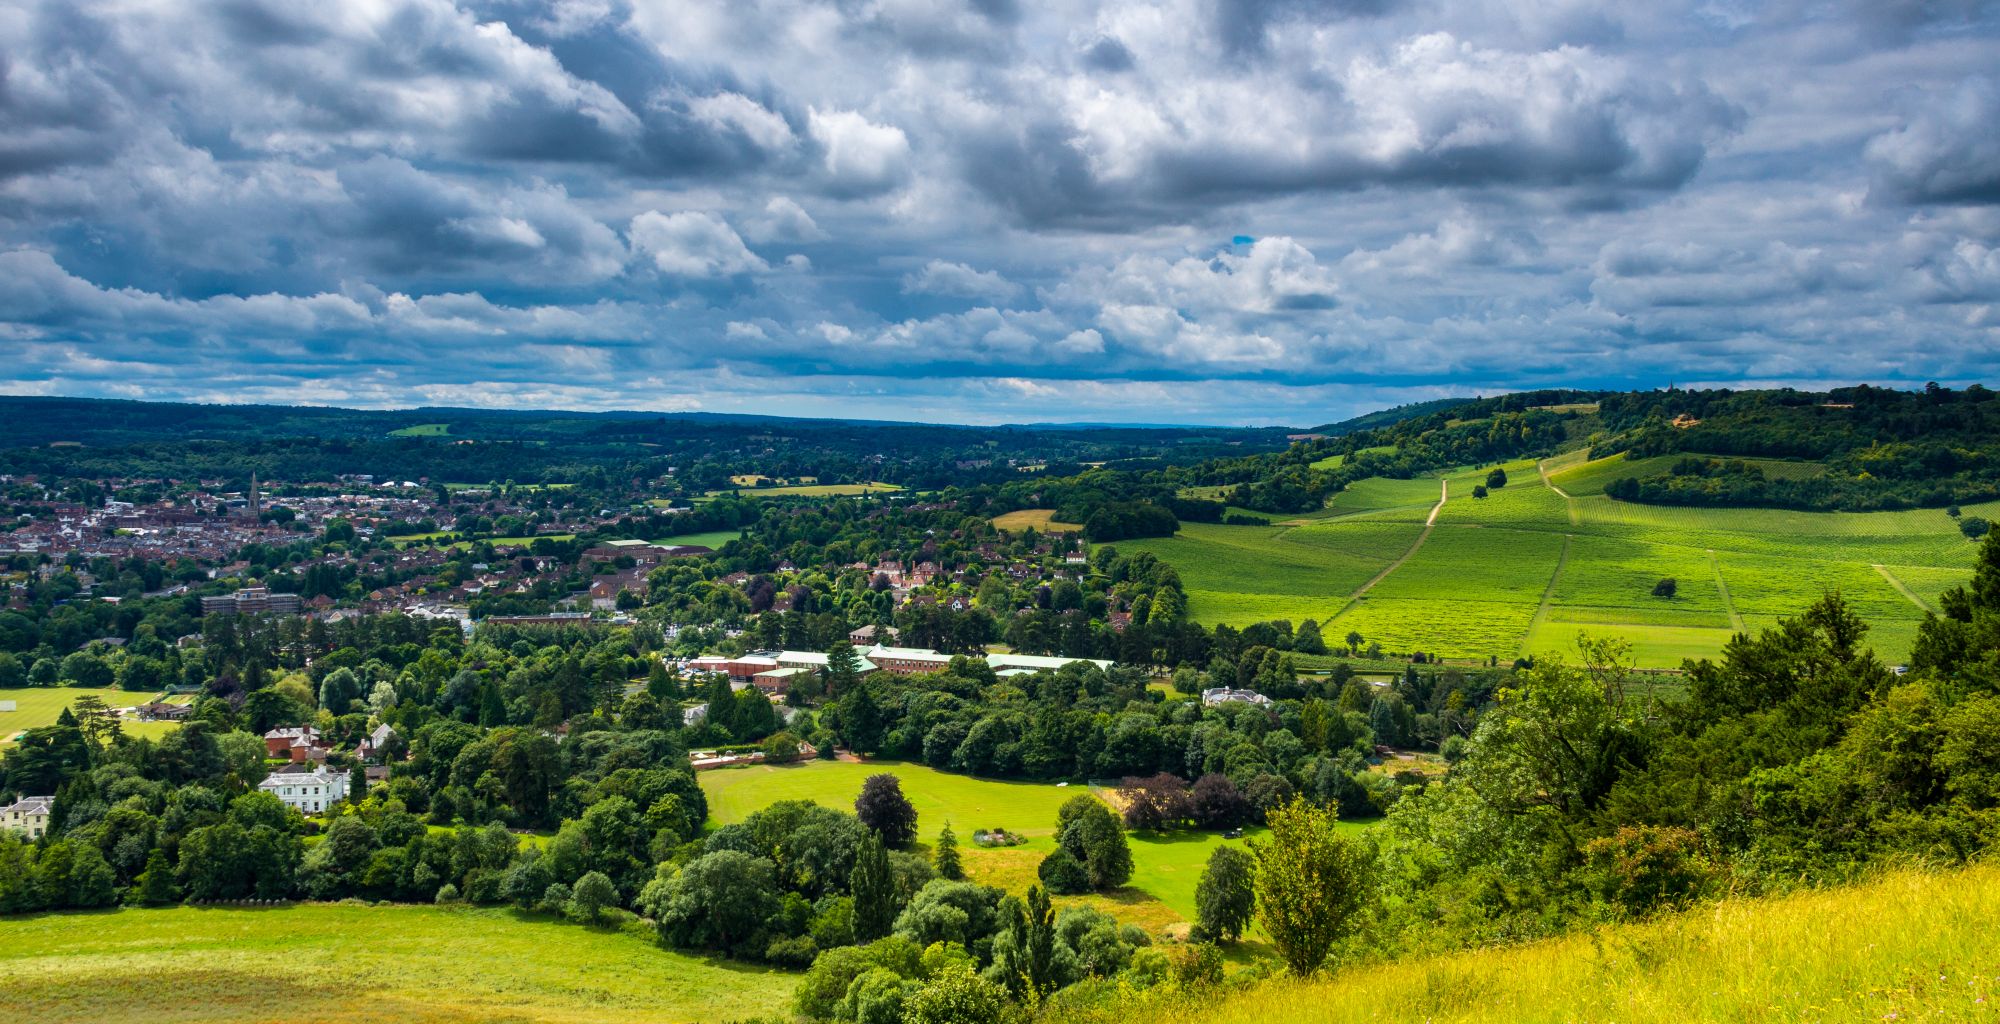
[
  {"x": 1523, "y": 570},
  {"x": 1908, "y": 946},
  {"x": 351, "y": 963}
]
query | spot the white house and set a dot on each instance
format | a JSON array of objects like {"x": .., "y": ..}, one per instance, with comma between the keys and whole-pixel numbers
[
  {"x": 311, "y": 792},
  {"x": 28, "y": 815},
  {"x": 1224, "y": 695}
]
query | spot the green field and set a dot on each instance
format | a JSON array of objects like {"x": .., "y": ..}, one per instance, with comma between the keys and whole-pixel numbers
[
  {"x": 423, "y": 430},
  {"x": 1911, "y": 945},
  {"x": 38, "y": 706},
  {"x": 1526, "y": 568},
  {"x": 712, "y": 539},
  {"x": 1165, "y": 869},
  {"x": 1244, "y": 574},
  {"x": 814, "y": 490},
  {"x": 348, "y": 963}
]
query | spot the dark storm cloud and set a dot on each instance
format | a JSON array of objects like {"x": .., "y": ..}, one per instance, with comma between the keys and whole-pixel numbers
[
  {"x": 1218, "y": 210},
  {"x": 1948, "y": 151},
  {"x": 1244, "y": 25}
]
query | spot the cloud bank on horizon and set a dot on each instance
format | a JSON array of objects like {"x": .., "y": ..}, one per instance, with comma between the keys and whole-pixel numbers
[{"x": 1228, "y": 211}]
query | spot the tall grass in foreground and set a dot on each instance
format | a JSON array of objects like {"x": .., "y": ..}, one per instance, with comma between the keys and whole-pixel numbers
[{"x": 1910, "y": 945}]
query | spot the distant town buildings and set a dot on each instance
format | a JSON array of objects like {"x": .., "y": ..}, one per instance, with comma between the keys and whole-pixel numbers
[{"x": 252, "y": 601}]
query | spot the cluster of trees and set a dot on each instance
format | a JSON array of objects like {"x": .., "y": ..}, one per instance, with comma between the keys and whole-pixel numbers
[{"x": 1797, "y": 756}]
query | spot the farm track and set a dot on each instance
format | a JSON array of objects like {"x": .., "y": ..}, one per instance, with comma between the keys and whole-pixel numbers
[
  {"x": 1901, "y": 589},
  {"x": 1722, "y": 587},
  {"x": 1548, "y": 596},
  {"x": 1575, "y": 518},
  {"x": 1444, "y": 494}
]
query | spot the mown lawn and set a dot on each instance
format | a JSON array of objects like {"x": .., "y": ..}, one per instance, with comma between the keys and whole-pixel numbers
[
  {"x": 711, "y": 539},
  {"x": 360, "y": 964},
  {"x": 37, "y": 706}
]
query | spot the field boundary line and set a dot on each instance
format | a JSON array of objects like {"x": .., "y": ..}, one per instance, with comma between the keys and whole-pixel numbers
[
  {"x": 1901, "y": 589},
  {"x": 1722, "y": 587},
  {"x": 1548, "y": 595},
  {"x": 1444, "y": 493}
]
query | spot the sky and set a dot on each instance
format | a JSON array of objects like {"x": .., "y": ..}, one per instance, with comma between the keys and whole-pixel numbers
[{"x": 989, "y": 211}]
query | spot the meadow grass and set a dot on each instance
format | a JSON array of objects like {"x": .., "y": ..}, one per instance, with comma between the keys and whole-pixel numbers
[
  {"x": 1042, "y": 520},
  {"x": 423, "y": 430},
  {"x": 1909, "y": 945},
  {"x": 351, "y": 963},
  {"x": 37, "y": 706}
]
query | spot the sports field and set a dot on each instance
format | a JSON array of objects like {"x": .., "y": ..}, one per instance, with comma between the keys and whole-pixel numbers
[
  {"x": 1165, "y": 868},
  {"x": 37, "y": 706},
  {"x": 1526, "y": 568},
  {"x": 348, "y": 963},
  {"x": 712, "y": 539}
]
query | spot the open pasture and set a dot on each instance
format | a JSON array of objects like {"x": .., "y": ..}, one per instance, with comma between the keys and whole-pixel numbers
[
  {"x": 423, "y": 430},
  {"x": 351, "y": 963},
  {"x": 1041, "y": 520}
]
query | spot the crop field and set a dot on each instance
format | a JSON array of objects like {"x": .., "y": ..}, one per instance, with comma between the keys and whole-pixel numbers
[
  {"x": 1909, "y": 945},
  {"x": 37, "y": 706},
  {"x": 1928, "y": 584},
  {"x": 1245, "y": 574},
  {"x": 1041, "y": 520},
  {"x": 1461, "y": 563},
  {"x": 351, "y": 963},
  {"x": 1485, "y": 581},
  {"x": 1165, "y": 868},
  {"x": 1377, "y": 493}
]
